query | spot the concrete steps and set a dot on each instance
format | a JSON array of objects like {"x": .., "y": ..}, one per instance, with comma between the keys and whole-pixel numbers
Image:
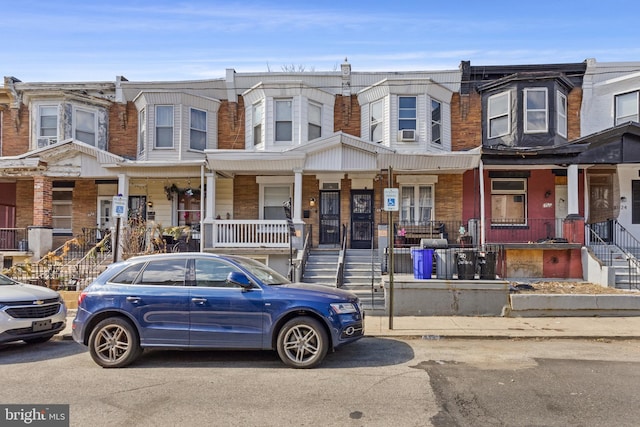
[{"x": 627, "y": 275}]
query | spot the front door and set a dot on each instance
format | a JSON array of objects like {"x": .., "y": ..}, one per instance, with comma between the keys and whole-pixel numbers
[
  {"x": 361, "y": 219},
  {"x": 329, "y": 217}
]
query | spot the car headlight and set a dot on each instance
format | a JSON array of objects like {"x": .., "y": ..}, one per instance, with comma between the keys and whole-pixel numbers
[{"x": 344, "y": 308}]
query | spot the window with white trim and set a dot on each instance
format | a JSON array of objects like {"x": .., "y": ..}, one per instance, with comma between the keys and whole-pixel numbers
[
  {"x": 508, "y": 201},
  {"x": 142, "y": 129},
  {"x": 499, "y": 114},
  {"x": 416, "y": 204},
  {"x": 198, "y": 129},
  {"x": 62, "y": 210},
  {"x": 407, "y": 112},
  {"x": 85, "y": 126},
  {"x": 284, "y": 120},
  {"x": 315, "y": 121},
  {"x": 164, "y": 126},
  {"x": 47, "y": 125},
  {"x": 376, "y": 120},
  {"x": 627, "y": 108},
  {"x": 436, "y": 122},
  {"x": 273, "y": 197},
  {"x": 561, "y": 108},
  {"x": 258, "y": 115},
  {"x": 536, "y": 106}
]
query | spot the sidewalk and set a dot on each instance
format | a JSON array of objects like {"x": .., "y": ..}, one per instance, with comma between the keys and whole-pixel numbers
[{"x": 438, "y": 327}]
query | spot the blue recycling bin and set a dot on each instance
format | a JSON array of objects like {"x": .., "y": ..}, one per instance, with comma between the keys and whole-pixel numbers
[{"x": 422, "y": 263}]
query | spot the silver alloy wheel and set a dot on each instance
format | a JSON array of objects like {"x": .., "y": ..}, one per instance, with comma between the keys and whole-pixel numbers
[
  {"x": 114, "y": 343},
  {"x": 302, "y": 342}
]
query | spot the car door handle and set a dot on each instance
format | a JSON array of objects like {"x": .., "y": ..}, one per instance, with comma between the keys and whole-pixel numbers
[
  {"x": 133, "y": 300},
  {"x": 199, "y": 301}
]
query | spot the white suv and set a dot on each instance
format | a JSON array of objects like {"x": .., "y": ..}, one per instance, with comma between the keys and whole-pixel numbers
[{"x": 30, "y": 313}]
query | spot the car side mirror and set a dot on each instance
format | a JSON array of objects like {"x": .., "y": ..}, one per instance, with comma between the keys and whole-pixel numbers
[{"x": 240, "y": 279}]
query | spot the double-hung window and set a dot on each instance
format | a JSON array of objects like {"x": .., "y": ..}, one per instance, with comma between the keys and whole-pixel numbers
[
  {"x": 499, "y": 115},
  {"x": 535, "y": 110},
  {"x": 315, "y": 121},
  {"x": 626, "y": 108},
  {"x": 284, "y": 120},
  {"x": 48, "y": 125},
  {"x": 85, "y": 126},
  {"x": 508, "y": 201},
  {"x": 416, "y": 204},
  {"x": 436, "y": 122},
  {"x": 142, "y": 130},
  {"x": 375, "y": 121},
  {"x": 198, "y": 130},
  {"x": 273, "y": 198},
  {"x": 258, "y": 115},
  {"x": 407, "y": 112},
  {"x": 164, "y": 126},
  {"x": 561, "y": 108},
  {"x": 62, "y": 209}
]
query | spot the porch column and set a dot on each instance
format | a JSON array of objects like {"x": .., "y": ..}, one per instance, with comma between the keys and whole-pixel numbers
[
  {"x": 40, "y": 234},
  {"x": 572, "y": 189},
  {"x": 573, "y": 227},
  {"x": 210, "y": 196},
  {"x": 297, "y": 197},
  {"x": 123, "y": 185}
]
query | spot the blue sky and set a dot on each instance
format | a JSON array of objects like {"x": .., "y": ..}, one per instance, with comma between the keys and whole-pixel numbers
[{"x": 64, "y": 40}]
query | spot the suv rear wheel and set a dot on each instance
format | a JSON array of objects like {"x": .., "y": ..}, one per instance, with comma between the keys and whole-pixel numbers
[
  {"x": 114, "y": 343},
  {"x": 302, "y": 342}
]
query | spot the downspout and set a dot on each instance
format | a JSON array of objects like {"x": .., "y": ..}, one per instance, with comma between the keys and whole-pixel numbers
[{"x": 482, "y": 202}]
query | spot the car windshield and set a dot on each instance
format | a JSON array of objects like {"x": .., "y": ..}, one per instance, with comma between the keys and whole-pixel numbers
[
  {"x": 4, "y": 280},
  {"x": 264, "y": 273}
]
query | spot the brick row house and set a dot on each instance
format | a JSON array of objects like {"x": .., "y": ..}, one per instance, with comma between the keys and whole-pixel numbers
[{"x": 520, "y": 156}]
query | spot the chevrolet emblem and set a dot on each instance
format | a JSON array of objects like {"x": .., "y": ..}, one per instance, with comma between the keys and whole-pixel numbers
[{"x": 38, "y": 302}]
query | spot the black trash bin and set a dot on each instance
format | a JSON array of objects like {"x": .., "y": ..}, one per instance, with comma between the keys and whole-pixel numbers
[
  {"x": 466, "y": 262},
  {"x": 487, "y": 266}
]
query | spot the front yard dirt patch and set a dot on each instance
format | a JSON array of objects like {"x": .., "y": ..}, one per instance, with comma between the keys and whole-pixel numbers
[{"x": 551, "y": 287}]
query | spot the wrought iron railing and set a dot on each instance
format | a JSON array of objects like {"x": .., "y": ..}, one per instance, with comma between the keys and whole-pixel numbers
[
  {"x": 14, "y": 239},
  {"x": 614, "y": 245},
  {"x": 341, "y": 258}
]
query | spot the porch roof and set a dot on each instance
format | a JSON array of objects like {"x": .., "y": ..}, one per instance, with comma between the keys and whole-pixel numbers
[{"x": 340, "y": 152}]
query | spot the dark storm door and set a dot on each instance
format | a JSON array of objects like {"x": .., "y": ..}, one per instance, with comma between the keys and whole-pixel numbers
[
  {"x": 329, "y": 217},
  {"x": 361, "y": 219}
]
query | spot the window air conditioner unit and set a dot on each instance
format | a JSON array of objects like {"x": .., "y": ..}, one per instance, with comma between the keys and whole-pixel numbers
[
  {"x": 46, "y": 140},
  {"x": 407, "y": 135}
]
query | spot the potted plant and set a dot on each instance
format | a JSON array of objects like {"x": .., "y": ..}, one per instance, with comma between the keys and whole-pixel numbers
[{"x": 400, "y": 237}]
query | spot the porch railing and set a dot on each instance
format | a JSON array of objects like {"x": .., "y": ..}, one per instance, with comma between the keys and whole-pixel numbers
[
  {"x": 610, "y": 241},
  {"x": 14, "y": 239},
  {"x": 531, "y": 230},
  {"x": 248, "y": 233}
]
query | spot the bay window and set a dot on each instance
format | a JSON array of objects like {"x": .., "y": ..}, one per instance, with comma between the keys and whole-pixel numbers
[
  {"x": 164, "y": 126},
  {"x": 535, "y": 110},
  {"x": 499, "y": 115},
  {"x": 284, "y": 120},
  {"x": 85, "y": 126},
  {"x": 376, "y": 121},
  {"x": 626, "y": 108},
  {"x": 198, "y": 130}
]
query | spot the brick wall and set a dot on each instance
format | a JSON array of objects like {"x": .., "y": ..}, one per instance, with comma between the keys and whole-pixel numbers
[
  {"x": 448, "y": 198},
  {"x": 231, "y": 128},
  {"x": 42, "y": 201},
  {"x": 466, "y": 121},
  {"x": 346, "y": 115},
  {"x": 574, "y": 103},
  {"x": 15, "y": 128},
  {"x": 123, "y": 130},
  {"x": 245, "y": 197},
  {"x": 24, "y": 203},
  {"x": 84, "y": 206}
]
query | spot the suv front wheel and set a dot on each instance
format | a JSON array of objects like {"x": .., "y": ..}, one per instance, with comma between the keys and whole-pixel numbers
[
  {"x": 302, "y": 342},
  {"x": 114, "y": 343}
]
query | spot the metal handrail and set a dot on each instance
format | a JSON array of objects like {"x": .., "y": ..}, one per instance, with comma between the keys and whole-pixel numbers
[
  {"x": 341, "y": 257},
  {"x": 306, "y": 249},
  {"x": 625, "y": 242}
]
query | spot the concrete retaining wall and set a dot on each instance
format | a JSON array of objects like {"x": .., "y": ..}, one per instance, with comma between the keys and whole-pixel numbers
[{"x": 545, "y": 305}]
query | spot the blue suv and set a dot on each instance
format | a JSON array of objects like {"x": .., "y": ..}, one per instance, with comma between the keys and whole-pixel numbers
[{"x": 203, "y": 300}]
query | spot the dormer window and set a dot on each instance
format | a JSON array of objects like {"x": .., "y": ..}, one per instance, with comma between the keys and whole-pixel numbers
[
  {"x": 198, "y": 130},
  {"x": 164, "y": 126},
  {"x": 85, "y": 126},
  {"x": 284, "y": 120},
  {"x": 315, "y": 121},
  {"x": 561, "y": 107},
  {"x": 436, "y": 122},
  {"x": 407, "y": 113},
  {"x": 499, "y": 115},
  {"x": 626, "y": 108},
  {"x": 536, "y": 110},
  {"x": 377, "y": 119},
  {"x": 48, "y": 125}
]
